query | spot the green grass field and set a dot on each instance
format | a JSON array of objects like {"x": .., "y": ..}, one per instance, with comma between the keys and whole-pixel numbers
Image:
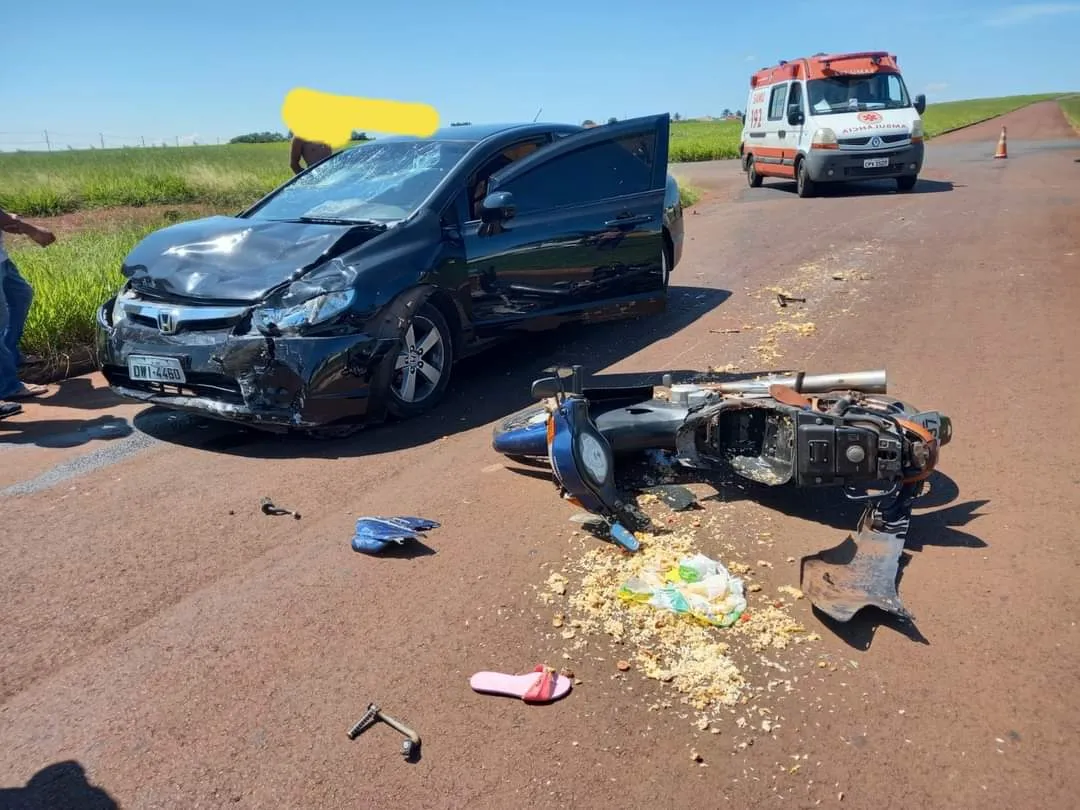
[
  {"x": 1071, "y": 107},
  {"x": 72, "y": 277}
]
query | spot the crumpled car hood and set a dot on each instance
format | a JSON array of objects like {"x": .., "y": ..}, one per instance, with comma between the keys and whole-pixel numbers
[{"x": 225, "y": 258}]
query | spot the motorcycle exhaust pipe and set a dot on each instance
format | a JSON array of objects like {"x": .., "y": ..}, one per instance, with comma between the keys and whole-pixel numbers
[{"x": 867, "y": 382}]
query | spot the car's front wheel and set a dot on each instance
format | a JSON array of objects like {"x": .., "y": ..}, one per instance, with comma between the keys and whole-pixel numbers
[{"x": 423, "y": 365}]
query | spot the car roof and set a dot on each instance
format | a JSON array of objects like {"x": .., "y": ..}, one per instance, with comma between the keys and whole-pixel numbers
[{"x": 474, "y": 133}]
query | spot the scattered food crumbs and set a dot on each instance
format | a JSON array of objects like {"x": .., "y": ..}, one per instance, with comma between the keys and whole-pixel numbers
[
  {"x": 694, "y": 755},
  {"x": 557, "y": 583},
  {"x": 791, "y": 591},
  {"x": 764, "y": 563},
  {"x": 706, "y": 666}
]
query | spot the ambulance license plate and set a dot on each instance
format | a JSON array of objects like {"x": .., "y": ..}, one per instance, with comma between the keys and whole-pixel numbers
[
  {"x": 875, "y": 163},
  {"x": 156, "y": 369}
]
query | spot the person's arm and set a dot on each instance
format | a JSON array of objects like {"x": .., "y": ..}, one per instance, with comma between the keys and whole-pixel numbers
[
  {"x": 294, "y": 157},
  {"x": 10, "y": 223}
]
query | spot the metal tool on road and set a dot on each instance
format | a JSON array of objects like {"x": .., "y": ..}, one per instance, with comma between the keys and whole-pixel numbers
[
  {"x": 409, "y": 747},
  {"x": 784, "y": 300},
  {"x": 268, "y": 508}
]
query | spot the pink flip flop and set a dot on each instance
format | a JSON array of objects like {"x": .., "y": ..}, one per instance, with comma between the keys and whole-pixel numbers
[{"x": 542, "y": 685}]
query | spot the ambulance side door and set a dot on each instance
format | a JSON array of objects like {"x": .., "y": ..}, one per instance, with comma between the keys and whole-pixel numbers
[{"x": 778, "y": 140}]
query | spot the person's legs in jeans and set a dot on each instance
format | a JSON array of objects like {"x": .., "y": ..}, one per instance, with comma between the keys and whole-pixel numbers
[{"x": 15, "y": 298}]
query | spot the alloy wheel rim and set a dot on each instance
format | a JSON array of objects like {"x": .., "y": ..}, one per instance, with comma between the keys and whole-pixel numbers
[{"x": 419, "y": 366}]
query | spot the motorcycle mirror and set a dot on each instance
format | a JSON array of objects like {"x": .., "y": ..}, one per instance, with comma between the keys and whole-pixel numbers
[{"x": 546, "y": 387}]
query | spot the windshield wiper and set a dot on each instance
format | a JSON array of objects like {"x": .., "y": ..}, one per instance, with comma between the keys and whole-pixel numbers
[{"x": 339, "y": 221}]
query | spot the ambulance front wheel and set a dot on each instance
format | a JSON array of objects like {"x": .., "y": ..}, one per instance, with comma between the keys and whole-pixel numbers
[
  {"x": 753, "y": 179},
  {"x": 907, "y": 182},
  {"x": 803, "y": 183}
]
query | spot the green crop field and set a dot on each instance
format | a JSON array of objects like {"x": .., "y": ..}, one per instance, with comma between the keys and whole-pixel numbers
[{"x": 72, "y": 277}]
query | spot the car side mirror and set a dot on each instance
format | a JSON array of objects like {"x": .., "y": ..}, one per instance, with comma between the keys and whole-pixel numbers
[
  {"x": 497, "y": 207},
  {"x": 795, "y": 117},
  {"x": 920, "y": 104}
]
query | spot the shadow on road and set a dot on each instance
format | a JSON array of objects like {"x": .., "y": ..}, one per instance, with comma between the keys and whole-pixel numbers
[
  {"x": 60, "y": 786},
  {"x": 484, "y": 388},
  {"x": 64, "y": 433},
  {"x": 870, "y": 188},
  {"x": 80, "y": 393}
]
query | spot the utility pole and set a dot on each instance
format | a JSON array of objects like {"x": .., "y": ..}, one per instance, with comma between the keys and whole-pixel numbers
[
  {"x": 177, "y": 140},
  {"x": 102, "y": 136},
  {"x": 47, "y": 144}
]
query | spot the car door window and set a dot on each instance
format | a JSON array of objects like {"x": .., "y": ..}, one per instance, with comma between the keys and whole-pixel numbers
[
  {"x": 478, "y": 187},
  {"x": 776, "y": 102},
  {"x": 611, "y": 168}
]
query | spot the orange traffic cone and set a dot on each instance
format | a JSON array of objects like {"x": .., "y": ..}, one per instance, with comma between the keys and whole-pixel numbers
[{"x": 1002, "y": 147}]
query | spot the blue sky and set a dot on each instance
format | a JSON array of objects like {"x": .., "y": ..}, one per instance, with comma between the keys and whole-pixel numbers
[{"x": 209, "y": 70}]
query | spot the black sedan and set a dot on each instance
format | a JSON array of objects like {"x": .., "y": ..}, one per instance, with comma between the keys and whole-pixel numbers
[{"x": 348, "y": 293}]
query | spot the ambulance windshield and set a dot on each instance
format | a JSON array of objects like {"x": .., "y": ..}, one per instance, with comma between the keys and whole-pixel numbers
[{"x": 854, "y": 93}]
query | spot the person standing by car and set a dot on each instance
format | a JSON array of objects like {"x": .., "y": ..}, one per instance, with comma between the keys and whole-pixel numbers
[
  {"x": 311, "y": 152},
  {"x": 15, "y": 297}
]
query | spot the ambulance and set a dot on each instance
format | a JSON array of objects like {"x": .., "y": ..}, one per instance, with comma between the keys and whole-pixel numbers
[{"x": 832, "y": 118}]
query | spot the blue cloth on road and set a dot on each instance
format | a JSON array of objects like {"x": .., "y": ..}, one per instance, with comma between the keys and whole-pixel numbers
[
  {"x": 374, "y": 534},
  {"x": 15, "y": 297}
]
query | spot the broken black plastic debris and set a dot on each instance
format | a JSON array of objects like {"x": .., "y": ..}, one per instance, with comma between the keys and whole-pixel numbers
[
  {"x": 374, "y": 534},
  {"x": 268, "y": 508},
  {"x": 679, "y": 498}
]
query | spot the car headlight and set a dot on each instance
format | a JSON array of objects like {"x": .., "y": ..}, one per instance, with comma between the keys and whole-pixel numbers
[
  {"x": 917, "y": 130},
  {"x": 291, "y": 319},
  {"x": 594, "y": 458},
  {"x": 119, "y": 312}
]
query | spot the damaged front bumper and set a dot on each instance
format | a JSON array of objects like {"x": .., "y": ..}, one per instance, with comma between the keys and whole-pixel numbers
[{"x": 275, "y": 383}]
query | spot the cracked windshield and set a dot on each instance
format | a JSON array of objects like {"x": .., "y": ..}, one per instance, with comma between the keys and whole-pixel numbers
[{"x": 375, "y": 181}]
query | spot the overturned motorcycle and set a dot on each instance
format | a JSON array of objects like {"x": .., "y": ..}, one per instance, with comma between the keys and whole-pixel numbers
[{"x": 800, "y": 430}]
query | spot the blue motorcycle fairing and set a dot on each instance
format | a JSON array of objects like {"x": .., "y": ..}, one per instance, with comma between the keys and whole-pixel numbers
[{"x": 563, "y": 457}]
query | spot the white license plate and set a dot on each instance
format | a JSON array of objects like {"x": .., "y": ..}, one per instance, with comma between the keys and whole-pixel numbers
[
  {"x": 875, "y": 163},
  {"x": 156, "y": 369}
]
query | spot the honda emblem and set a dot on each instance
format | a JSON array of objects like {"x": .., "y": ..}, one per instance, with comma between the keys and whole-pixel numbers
[{"x": 166, "y": 321}]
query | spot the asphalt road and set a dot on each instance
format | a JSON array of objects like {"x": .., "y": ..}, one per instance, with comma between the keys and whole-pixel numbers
[{"x": 162, "y": 639}]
